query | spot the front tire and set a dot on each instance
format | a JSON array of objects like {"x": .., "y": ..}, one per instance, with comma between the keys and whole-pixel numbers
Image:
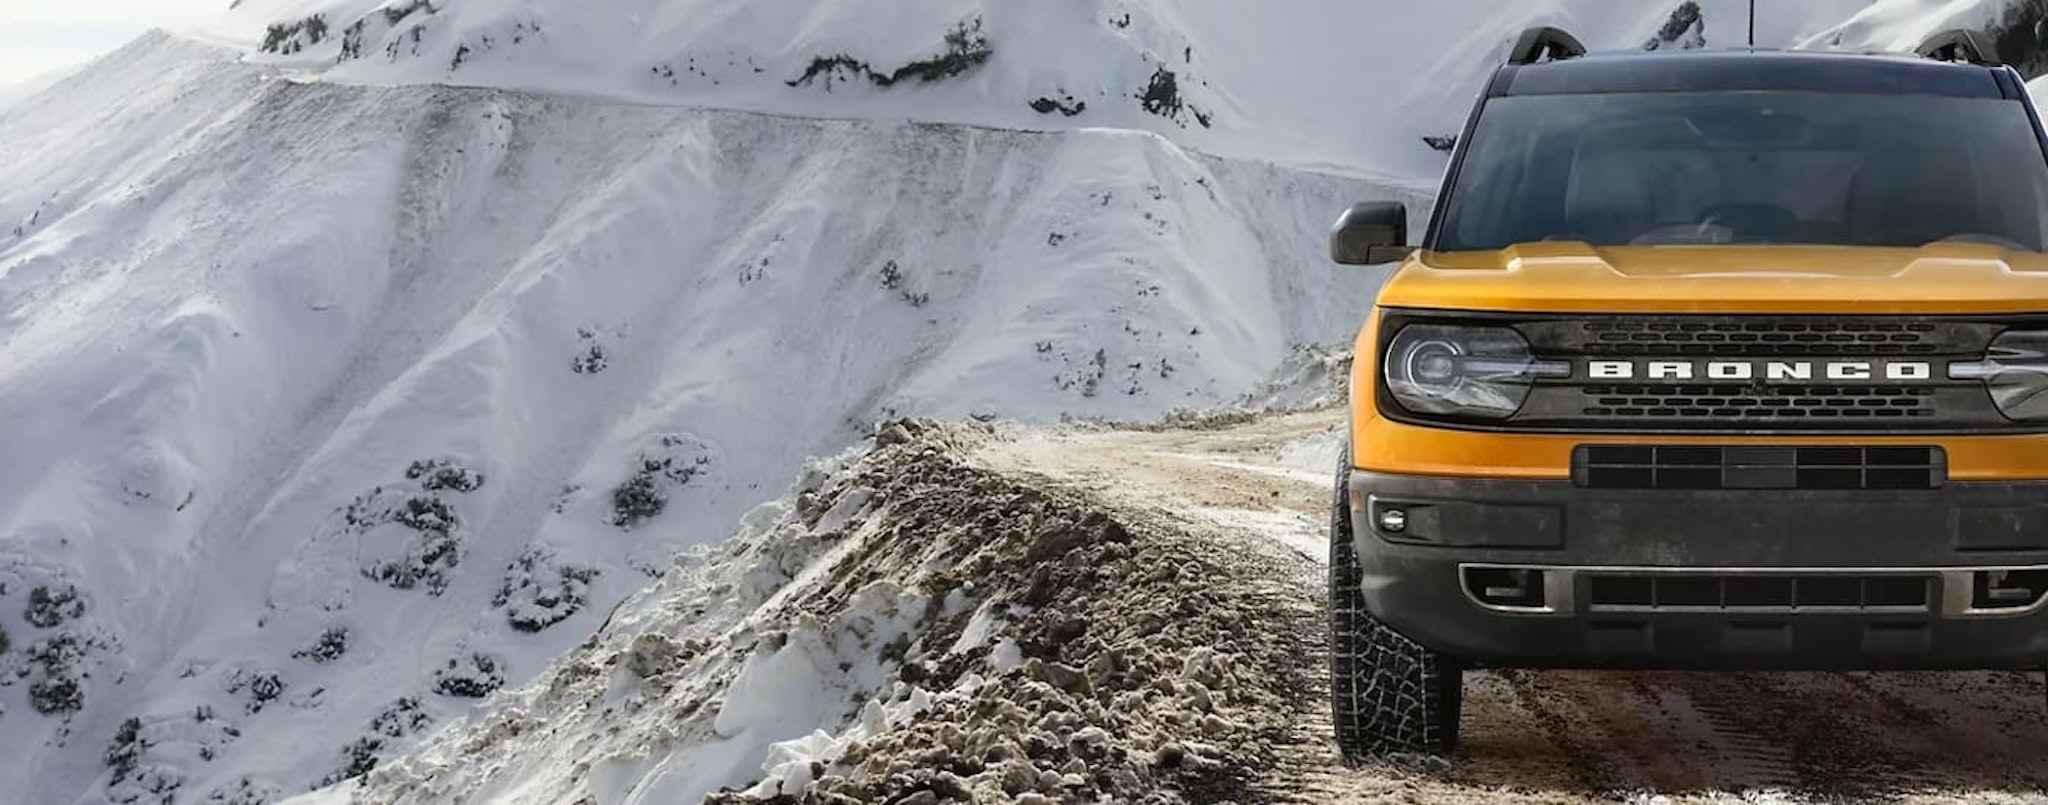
[{"x": 1388, "y": 694}]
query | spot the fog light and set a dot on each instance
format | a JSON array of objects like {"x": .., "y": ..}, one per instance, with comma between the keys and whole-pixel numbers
[
  {"x": 2008, "y": 589},
  {"x": 1393, "y": 521}
]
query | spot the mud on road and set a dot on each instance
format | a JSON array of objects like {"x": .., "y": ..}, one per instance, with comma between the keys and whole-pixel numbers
[{"x": 1256, "y": 493}]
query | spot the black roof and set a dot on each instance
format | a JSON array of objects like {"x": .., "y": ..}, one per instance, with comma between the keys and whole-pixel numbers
[{"x": 1755, "y": 69}]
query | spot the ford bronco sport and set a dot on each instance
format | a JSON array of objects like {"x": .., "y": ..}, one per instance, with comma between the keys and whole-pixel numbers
[{"x": 1729, "y": 360}]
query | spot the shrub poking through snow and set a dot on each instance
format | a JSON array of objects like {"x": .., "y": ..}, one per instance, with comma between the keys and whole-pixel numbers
[
  {"x": 472, "y": 676},
  {"x": 49, "y": 608},
  {"x": 287, "y": 38},
  {"x": 1083, "y": 374},
  {"x": 396, "y": 14},
  {"x": 328, "y": 647},
  {"x": 430, "y": 562},
  {"x": 668, "y": 466},
  {"x": 57, "y": 695},
  {"x": 148, "y": 758},
  {"x": 892, "y": 280},
  {"x": 429, "y": 559},
  {"x": 257, "y": 688},
  {"x": 541, "y": 591},
  {"x": 441, "y": 474},
  {"x": 55, "y": 663},
  {"x": 594, "y": 357},
  {"x": 965, "y": 48},
  {"x": 244, "y": 791},
  {"x": 358, "y": 758},
  {"x": 125, "y": 750},
  {"x": 635, "y": 500},
  {"x": 353, "y": 37},
  {"x": 1065, "y": 105},
  {"x": 398, "y": 719}
]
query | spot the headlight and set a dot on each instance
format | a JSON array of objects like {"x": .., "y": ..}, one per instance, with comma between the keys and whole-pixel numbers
[
  {"x": 2015, "y": 370},
  {"x": 1462, "y": 371}
]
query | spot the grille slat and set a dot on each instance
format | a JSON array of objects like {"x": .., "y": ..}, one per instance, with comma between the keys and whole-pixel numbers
[
  {"x": 1646, "y": 336},
  {"x": 1698, "y": 468},
  {"x": 1759, "y": 592},
  {"x": 1767, "y": 403}
]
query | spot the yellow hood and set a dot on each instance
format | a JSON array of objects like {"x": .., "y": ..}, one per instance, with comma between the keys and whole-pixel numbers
[{"x": 1949, "y": 278}]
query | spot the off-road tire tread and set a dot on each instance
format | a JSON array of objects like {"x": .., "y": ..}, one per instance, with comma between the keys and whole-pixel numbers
[{"x": 1388, "y": 694}]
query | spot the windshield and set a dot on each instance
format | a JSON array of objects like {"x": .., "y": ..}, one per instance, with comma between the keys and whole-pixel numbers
[{"x": 1749, "y": 168}]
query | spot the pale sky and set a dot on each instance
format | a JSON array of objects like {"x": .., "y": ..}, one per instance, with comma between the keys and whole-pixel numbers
[{"x": 37, "y": 36}]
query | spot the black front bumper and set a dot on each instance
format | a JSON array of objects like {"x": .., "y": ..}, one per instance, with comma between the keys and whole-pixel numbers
[{"x": 1726, "y": 579}]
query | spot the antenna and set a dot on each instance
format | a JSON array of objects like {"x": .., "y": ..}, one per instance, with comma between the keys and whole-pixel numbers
[{"x": 1752, "y": 23}]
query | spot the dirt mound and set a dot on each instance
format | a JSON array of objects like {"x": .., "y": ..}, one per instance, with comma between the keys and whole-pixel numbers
[
  {"x": 1120, "y": 667},
  {"x": 912, "y": 626}
]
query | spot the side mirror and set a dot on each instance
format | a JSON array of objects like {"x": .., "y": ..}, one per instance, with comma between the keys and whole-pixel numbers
[{"x": 1371, "y": 233}]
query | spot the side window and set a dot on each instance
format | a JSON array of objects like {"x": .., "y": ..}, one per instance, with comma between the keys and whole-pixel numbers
[{"x": 1511, "y": 186}]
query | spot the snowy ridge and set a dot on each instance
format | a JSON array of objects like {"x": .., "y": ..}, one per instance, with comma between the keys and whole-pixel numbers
[{"x": 1298, "y": 82}]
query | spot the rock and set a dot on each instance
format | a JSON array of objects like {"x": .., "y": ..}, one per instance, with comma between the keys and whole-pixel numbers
[
  {"x": 892, "y": 434},
  {"x": 1090, "y": 742},
  {"x": 1060, "y": 676}
]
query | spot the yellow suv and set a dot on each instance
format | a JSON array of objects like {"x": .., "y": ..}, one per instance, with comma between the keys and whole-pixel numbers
[{"x": 1708, "y": 360}]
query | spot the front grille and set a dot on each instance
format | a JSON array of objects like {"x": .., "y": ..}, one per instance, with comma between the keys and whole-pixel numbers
[
  {"x": 1711, "y": 467},
  {"x": 1758, "y": 338},
  {"x": 1746, "y": 374}
]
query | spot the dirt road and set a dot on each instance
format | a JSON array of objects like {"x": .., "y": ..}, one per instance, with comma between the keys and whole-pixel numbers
[{"x": 1261, "y": 488}]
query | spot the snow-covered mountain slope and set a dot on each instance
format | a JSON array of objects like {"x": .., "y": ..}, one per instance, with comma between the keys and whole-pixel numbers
[
  {"x": 333, "y": 398},
  {"x": 17, "y": 91},
  {"x": 328, "y": 409}
]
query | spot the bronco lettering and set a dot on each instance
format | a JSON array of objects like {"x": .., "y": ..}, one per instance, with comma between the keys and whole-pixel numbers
[{"x": 1902, "y": 371}]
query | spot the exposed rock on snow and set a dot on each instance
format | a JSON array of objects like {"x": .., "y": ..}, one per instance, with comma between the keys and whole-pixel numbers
[
  {"x": 2021, "y": 36},
  {"x": 1685, "y": 30},
  {"x": 965, "y": 48}
]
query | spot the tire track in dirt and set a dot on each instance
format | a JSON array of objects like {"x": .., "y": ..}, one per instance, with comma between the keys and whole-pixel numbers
[
  {"x": 1983, "y": 729},
  {"x": 1565, "y": 720}
]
